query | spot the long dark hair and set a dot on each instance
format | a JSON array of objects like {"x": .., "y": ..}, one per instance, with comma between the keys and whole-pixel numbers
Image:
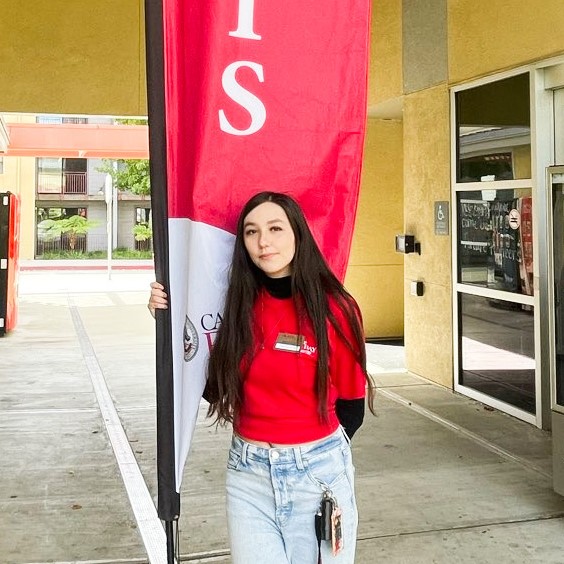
[{"x": 312, "y": 284}]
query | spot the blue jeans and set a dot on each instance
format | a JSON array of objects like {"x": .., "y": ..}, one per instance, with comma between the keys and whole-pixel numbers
[{"x": 273, "y": 495}]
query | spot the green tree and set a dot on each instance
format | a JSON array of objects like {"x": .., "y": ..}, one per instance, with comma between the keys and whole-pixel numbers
[
  {"x": 74, "y": 225},
  {"x": 131, "y": 175}
]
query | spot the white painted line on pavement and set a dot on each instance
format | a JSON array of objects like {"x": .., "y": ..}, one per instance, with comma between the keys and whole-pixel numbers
[
  {"x": 114, "y": 561},
  {"x": 148, "y": 522}
]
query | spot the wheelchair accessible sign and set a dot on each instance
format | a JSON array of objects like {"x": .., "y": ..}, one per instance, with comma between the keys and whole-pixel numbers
[{"x": 441, "y": 218}]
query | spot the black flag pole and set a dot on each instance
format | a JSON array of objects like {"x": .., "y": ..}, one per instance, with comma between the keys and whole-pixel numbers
[{"x": 168, "y": 498}]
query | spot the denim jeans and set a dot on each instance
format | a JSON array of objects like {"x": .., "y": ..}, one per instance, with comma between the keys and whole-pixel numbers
[{"x": 273, "y": 495}]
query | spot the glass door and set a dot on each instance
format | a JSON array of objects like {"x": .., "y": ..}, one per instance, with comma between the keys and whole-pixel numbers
[
  {"x": 493, "y": 207},
  {"x": 495, "y": 299},
  {"x": 556, "y": 278}
]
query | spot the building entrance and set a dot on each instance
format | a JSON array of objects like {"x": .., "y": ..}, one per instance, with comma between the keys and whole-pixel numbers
[{"x": 494, "y": 299}]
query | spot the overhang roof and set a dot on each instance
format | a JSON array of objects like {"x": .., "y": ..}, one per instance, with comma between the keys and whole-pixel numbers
[{"x": 76, "y": 141}]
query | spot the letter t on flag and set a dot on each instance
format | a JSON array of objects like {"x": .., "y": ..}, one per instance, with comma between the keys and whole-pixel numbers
[{"x": 244, "y": 96}]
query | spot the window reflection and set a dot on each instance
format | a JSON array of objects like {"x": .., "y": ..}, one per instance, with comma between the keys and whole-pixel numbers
[
  {"x": 494, "y": 131},
  {"x": 497, "y": 350},
  {"x": 558, "y": 275},
  {"x": 495, "y": 240},
  {"x": 559, "y": 126}
]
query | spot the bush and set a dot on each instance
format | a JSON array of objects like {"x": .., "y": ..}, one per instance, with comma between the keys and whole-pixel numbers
[{"x": 131, "y": 254}]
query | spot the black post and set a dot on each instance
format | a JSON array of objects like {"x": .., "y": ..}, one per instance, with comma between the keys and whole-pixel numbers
[
  {"x": 168, "y": 498},
  {"x": 169, "y": 530}
]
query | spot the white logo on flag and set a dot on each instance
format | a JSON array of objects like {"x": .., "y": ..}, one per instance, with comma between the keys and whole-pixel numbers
[{"x": 191, "y": 340}]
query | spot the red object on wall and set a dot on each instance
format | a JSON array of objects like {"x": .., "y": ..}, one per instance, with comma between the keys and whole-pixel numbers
[
  {"x": 525, "y": 207},
  {"x": 9, "y": 253}
]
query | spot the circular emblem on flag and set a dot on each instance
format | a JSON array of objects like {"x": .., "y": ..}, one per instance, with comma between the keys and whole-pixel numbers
[{"x": 191, "y": 340}]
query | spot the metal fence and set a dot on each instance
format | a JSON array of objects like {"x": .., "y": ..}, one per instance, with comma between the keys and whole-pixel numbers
[
  {"x": 62, "y": 182},
  {"x": 83, "y": 246}
]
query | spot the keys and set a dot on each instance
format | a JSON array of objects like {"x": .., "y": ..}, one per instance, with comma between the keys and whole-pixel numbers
[{"x": 328, "y": 522}]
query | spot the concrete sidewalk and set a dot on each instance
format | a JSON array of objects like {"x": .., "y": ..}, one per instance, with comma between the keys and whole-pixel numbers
[{"x": 440, "y": 479}]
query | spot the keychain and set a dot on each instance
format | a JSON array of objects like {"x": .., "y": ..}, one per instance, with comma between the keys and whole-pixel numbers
[
  {"x": 336, "y": 530},
  {"x": 328, "y": 523}
]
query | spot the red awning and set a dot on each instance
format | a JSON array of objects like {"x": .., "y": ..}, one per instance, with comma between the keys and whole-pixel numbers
[{"x": 77, "y": 141}]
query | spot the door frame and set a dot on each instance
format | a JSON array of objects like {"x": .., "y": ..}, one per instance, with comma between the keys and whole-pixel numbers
[
  {"x": 545, "y": 76},
  {"x": 550, "y": 345}
]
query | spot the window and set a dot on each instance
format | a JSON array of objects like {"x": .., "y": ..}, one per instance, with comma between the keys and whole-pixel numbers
[
  {"x": 142, "y": 215},
  {"x": 49, "y": 175},
  {"x": 497, "y": 350},
  {"x": 57, "y": 119},
  {"x": 49, "y": 165},
  {"x": 495, "y": 229},
  {"x": 69, "y": 119},
  {"x": 492, "y": 205},
  {"x": 75, "y": 165},
  {"x": 49, "y": 119},
  {"x": 494, "y": 131},
  {"x": 559, "y": 126}
]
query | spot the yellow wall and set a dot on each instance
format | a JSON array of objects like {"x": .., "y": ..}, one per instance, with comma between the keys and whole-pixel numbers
[
  {"x": 522, "y": 161},
  {"x": 19, "y": 178},
  {"x": 486, "y": 36},
  {"x": 73, "y": 57},
  {"x": 385, "y": 74},
  {"x": 428, "y": 319},
  {"x": 375, "y": 270}
]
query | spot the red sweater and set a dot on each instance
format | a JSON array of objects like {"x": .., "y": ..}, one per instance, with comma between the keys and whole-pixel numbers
[{"x": 280, "y": 402}]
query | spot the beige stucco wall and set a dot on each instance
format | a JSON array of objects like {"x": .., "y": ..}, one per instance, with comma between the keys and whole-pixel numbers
[
  {"x": 424, "y": 44},
  {"x": 73, "y": 57},
  {"x": 428, "y": 319},
  {"x": 486, "y": 36},
  {"x": 375, "y": 270},
  {"x": 19, "y": 178},
  {"x": 385, "y": 73}
]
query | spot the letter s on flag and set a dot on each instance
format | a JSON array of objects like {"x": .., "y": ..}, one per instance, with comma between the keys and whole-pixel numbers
[{"x": 243, "y": 97}]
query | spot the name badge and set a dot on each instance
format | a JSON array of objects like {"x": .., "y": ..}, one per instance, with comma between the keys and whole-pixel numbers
[{"x": 289, "y": 342}]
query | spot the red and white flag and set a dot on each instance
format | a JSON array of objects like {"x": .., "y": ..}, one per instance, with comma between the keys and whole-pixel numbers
[{"x": 258, "y": 95}]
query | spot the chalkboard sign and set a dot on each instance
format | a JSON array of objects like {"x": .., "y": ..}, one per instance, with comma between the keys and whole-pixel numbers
[
  {"x": 489, "y": 243},
  {"x": 474, "y": 229}
]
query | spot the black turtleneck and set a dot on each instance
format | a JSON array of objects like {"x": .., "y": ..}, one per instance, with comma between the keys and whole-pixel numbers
[{"x": 278, "y": 287}]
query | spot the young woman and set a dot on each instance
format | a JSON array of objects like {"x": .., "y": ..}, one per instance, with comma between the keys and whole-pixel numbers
[{"x": 288, "y": 372}]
